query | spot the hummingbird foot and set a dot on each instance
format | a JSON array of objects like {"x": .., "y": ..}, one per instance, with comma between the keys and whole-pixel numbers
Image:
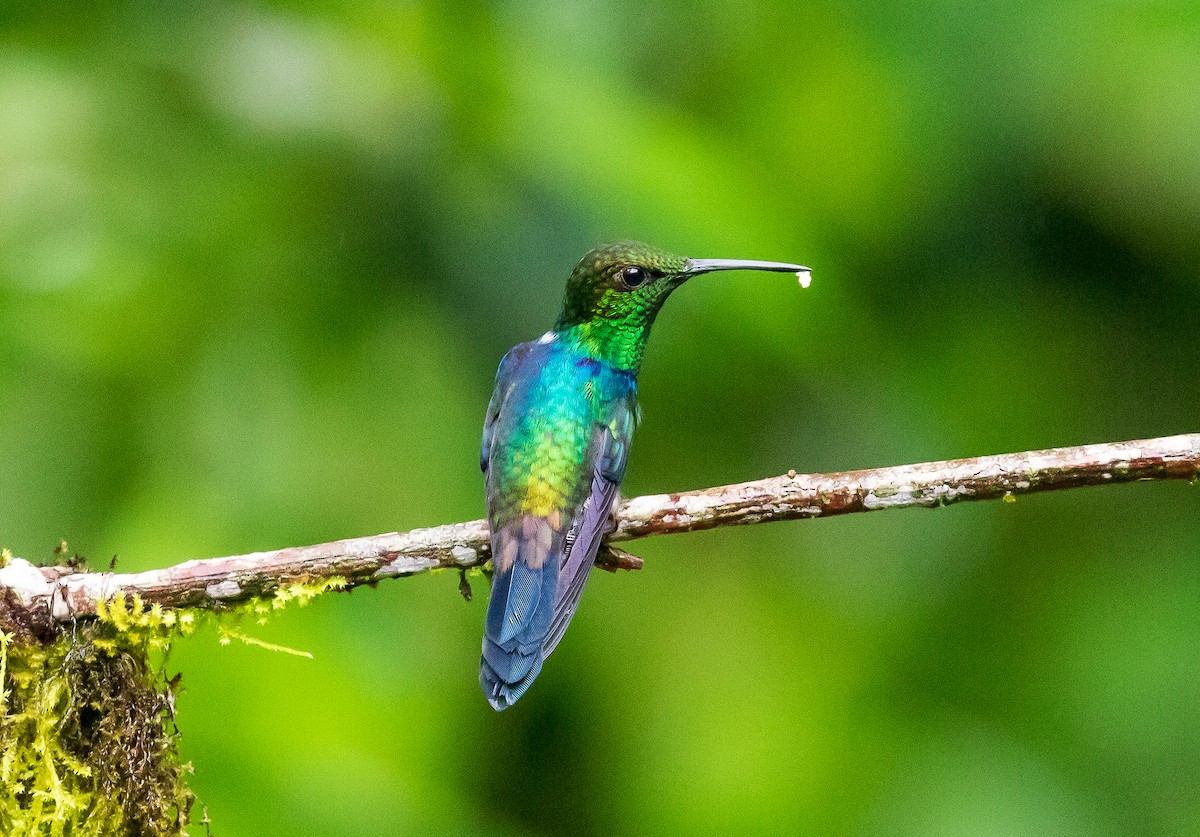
[{"x": 611, "y": 559}]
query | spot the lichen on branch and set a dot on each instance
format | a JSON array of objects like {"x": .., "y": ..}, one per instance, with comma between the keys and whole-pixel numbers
[{"x": 40, "y": 597}]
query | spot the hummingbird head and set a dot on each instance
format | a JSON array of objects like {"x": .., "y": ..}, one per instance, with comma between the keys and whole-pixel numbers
[
  {"x": 616, "y": 291},
  {"x": 624, "y": 281}
]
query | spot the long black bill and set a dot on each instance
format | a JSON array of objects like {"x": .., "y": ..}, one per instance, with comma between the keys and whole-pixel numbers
[{"x": 694, "y": 267}]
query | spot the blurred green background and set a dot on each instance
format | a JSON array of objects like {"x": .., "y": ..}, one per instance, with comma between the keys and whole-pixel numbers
[{"x": 258, "y": 263}]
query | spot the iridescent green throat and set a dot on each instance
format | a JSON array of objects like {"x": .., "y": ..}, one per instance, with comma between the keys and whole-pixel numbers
[{"x": 619, "y": 343}]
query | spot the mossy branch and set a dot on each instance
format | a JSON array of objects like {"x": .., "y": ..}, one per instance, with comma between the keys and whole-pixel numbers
[{"x": 34, "y": 596}]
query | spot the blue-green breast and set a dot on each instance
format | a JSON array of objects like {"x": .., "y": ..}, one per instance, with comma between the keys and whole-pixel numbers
[{"x": 541, "y": 455}]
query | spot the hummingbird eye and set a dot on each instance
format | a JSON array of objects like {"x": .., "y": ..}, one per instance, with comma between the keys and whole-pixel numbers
[{"x": 633, "y": 276}]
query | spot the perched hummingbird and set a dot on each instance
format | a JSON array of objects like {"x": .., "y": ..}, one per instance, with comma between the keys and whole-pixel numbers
[{"x": 555, "y": 441}]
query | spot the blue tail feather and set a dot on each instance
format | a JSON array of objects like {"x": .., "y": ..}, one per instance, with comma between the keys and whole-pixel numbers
[{"x": 520, "y": 615}]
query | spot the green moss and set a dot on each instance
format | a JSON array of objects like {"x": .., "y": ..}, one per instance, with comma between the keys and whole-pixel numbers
[
  {"x": 298, "y": 593},
  {"x": 133, "y": 626},
  {"x": 87, "y": 739},
  {"x": 88, "y": 743}
]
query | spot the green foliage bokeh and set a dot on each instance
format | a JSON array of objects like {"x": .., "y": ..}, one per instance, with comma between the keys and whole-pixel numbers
[{"x": 258, "y": 263}]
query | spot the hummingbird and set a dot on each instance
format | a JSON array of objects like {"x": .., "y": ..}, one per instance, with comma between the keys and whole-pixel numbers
[{"x": 556, "y": 439}]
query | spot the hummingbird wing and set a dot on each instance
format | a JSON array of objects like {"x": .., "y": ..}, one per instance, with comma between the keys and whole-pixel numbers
[
  {"x": 524, "y": 580},
  {"x": 594, "y": 518},
  {"x": 505, "y": 382}
]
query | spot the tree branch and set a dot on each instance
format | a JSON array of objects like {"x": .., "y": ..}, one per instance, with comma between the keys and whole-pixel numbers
[{"x": 50, "y": 594}]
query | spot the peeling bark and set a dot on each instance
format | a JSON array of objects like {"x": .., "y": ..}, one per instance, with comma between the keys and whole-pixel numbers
[{"x": 32, "y": 598}]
